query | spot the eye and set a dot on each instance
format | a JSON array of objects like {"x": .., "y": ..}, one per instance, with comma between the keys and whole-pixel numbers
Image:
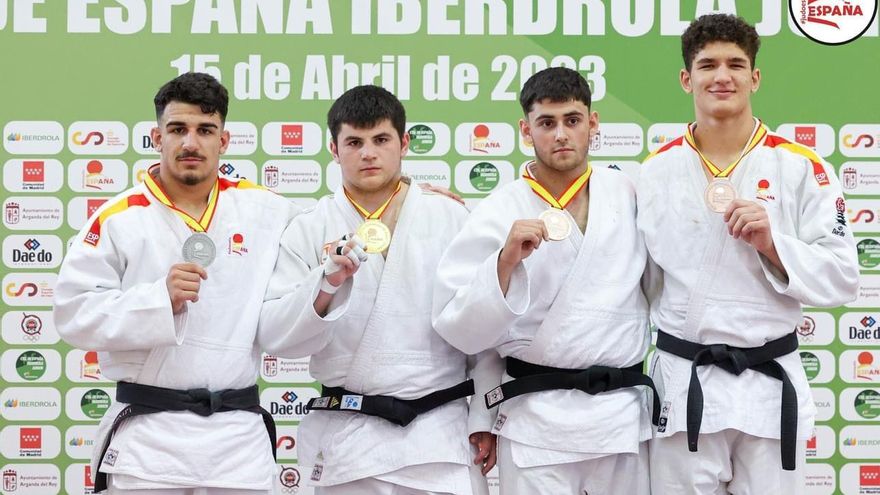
[
  {"x": 382, "y": 140},
  {"x": 574, "y": 121},
  {"x": 206, "y": 131},
  {"x": 176, "y": 130},
  {"x": 545, "y": 123},
  {"x": 353, "y": 143}
]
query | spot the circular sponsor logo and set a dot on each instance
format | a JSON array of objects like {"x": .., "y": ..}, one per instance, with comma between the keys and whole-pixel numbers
[
  {"x": 95, "y": 403},
  {"x": 832, "y": 22},
  {"x": 421, "y": 139},
  {"x": 484, "y": 176},
  {"x": 289, "y": 477},
  {"x": 31, "y": 365},
  {"x": 867, "y": 404},
  {"x": 810, "y": 363},
  {"x": 869, "y": 253}
]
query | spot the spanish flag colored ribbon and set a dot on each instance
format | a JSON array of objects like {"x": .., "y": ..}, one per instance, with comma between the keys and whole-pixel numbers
[
  {"x": 570, "y": 192},
  {"x": 758, "y": 135},
  {"x": 376, "y": 215},
  {"x": 200, "y": 225}
]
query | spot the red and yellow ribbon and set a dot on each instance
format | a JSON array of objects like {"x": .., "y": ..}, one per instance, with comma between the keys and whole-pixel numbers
[
  {"x": 570, "y": 192},
  {"x": 200, "y": 225},
  {"x": 376, "y": 215},
  {"x": 757, "y": 136}
]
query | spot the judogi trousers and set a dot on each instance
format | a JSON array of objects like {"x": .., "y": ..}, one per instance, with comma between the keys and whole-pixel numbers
[
  {"x": 727, "y": 461},
  {"x": 615, "y": 474}
]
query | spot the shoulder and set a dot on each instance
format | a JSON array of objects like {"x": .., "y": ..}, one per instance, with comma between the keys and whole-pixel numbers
[
  {"x": 117, "y": 210},
  {"x": 794, "y": 155},
  {"x": 668, "y": 150}
]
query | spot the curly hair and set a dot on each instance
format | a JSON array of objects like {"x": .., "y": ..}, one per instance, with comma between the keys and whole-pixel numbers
[
  {"x": 194, "y": 88},
  {"x": 719, "y": 27}
]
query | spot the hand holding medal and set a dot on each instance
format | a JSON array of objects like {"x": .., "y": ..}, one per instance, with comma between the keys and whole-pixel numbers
[
  {"x": 720, "y": 192},
  {"x": 555, "y": 219},
  {"x": 375, "y": 235}
]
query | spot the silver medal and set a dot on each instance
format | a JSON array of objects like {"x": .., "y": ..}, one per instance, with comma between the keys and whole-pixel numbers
[{"x": 199, "y": 249}]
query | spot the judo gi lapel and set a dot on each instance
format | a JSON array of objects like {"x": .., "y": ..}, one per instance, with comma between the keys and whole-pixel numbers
[
  {"x": 572, "y": 284},
  {"x": 393, "y": 271},
  {"x": 716, "y": 240}
]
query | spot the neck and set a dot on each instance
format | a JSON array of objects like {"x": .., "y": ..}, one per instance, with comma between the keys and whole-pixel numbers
[
  {"x": 372, "y": 200},
  {"x": 188, "y": 198},
  {"x": 728, "y": 135},
  {"x": 556, "y": 181}
]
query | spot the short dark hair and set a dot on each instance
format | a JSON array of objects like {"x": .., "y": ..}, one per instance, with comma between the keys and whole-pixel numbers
[
  {"x": 719, "y": 27},
  {"x": 557, "y": 84},
  {"x": 364, "y": 107},
  {"x": 194, "y": 88}
]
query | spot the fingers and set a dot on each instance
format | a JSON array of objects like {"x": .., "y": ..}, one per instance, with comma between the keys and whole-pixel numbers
[
  {"x": 191, "y": 268},
  {"x": 491, "y": 459}
]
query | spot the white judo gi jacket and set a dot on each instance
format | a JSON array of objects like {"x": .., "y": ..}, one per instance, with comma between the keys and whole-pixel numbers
[
  {"x": 717, "y": 289},
  {"x": 573, "y": 303},
  {"x": 376, "y": 339},
  {"x": 111, "y": 297}
]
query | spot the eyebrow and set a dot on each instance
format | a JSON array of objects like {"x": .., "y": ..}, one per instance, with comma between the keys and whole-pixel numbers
[
  {"x": 381, "y": 134},
  {"x": 175, "y": 123},
  {"x": 704, "y": 60},
  {"x": 569, "y": 114}
]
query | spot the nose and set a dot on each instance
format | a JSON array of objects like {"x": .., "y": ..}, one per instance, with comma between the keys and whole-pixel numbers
[
  {"x": 368, "y": 152},
  {"x": 189, "y": 141},
  {"x": 561, "y": 136},
  {"x": 722, "y": 73}
]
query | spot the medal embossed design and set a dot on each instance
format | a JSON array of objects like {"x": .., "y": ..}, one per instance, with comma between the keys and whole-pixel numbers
[
  {"x": 720, "y": 191},
  {"x": 375, "y": 234},
  {"x": 558, "y": 226},
  {"x": 199, "y": 249},
  {"x": 556, "y": 221},
  {"x": 719, "y": 194}
]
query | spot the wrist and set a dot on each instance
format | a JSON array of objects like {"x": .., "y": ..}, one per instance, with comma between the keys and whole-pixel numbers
[{"x": 327, "y": 287}]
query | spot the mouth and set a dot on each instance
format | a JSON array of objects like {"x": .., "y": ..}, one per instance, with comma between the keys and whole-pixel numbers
[
  {"x": 562, "y": 150},
  {"x": 722, "y": 92},
  {"x": 190, "y": 158}
]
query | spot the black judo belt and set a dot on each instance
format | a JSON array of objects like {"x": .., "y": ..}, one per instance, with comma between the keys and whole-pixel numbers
[
  {"x": 399, "y": 411},
  {"x": 147, "y": 399},
  {"x": 736, "y": 360},
  {"x": 530, "y": 378}
]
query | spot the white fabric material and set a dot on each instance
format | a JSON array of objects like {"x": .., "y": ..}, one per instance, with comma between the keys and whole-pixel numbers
[
  {"x": 571, "y": 304},
  {"x": 377, "y": 339},
  {"x": 717, "y": 289},
  {"x": 112, "y": 298},
  {"x": 120, "y": 484},
  {"x": 613, "y": 474},
  {"x": 728, "y": 461}
]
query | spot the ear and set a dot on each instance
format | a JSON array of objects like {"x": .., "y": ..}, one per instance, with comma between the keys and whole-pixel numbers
[
  {"x": 334, "y": 151},
  {"x": 156, "y": 137},
  {"x": 684, "y": 77},
  {"x": 224, "y": 141},
  {"x": 756, "y": 80},
  {"x": 594, "y": 123},
  {"x": 526, "y": 131},
  {"x": 404, "y": 145}
]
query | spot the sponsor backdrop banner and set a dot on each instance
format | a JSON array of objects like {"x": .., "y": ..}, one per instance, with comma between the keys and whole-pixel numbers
[{"x": 76, "y": 100}]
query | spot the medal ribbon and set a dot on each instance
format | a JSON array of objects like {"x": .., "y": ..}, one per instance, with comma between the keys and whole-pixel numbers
[
  {"x": 200, "y": 225},
  {"x": 570, "y": 192},
  {"x": 376, "y": 215},
  {"x": 757, "y": 136}
]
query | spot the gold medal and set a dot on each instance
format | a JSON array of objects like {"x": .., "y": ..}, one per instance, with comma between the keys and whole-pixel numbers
[
  {"x": 558, "y": 226},
  {"x": 719, "y": 194},
  {"x": 375, "y": 234}
]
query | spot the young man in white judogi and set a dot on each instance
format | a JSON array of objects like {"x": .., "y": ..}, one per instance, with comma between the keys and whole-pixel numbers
[
  {"x": 166, "y": 282},
  {"x": 361, "y": 306},
  {"x": 547, "y": 272},
  {"x": 745, "y": 227}
]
